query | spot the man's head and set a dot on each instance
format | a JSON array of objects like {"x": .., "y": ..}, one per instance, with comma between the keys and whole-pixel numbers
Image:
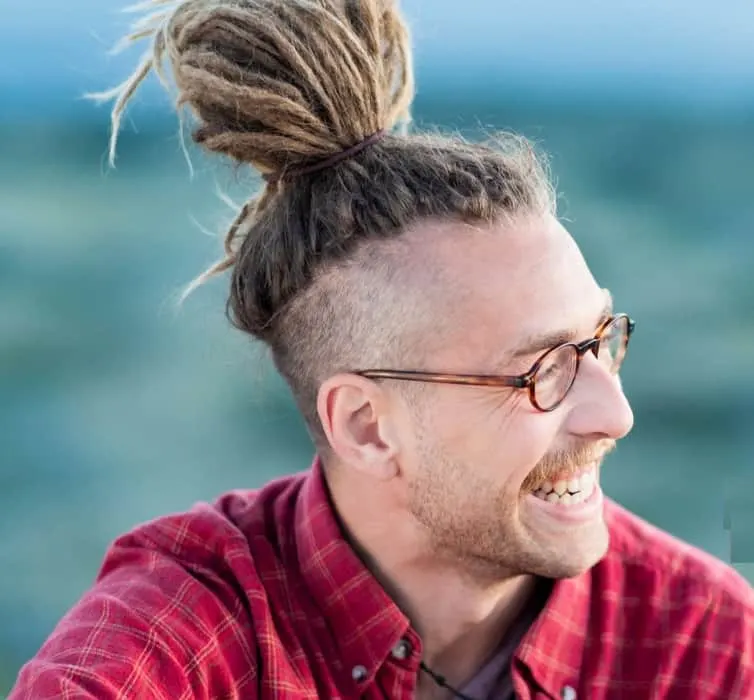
[
  {"x": 465, "y": 460},
  {"x": 420, "y": 252}
]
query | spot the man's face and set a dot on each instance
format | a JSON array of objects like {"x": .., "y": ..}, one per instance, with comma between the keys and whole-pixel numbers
[{"x": 479, "y": 454}]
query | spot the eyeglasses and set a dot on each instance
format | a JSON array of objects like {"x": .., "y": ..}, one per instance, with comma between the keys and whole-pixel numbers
[{"x": 550, "y": 378}]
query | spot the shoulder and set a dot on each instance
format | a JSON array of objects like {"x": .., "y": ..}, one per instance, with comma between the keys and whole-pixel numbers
[
  {"x": 666, "y": 568},
  {"x": 217, "y": 540},
  {"x": 692, "y": 612},
  {"x": 170, "y": 613}
]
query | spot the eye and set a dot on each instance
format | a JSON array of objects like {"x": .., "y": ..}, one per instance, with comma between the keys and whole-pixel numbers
[{"x": 555, "y": 375}]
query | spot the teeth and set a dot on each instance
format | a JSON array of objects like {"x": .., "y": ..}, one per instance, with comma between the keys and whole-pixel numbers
[
  {"x": 570, "y": 492},
  {"x": 587, "y": 488}
]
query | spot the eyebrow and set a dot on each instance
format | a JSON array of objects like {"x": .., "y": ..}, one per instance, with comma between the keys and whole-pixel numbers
[{"x": 544, "y": 341}]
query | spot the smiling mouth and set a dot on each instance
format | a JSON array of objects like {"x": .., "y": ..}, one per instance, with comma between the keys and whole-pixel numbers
[{"x": 576, "y": 489}]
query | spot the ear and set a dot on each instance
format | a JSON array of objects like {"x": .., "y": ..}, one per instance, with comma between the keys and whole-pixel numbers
[{"x": 360, "y": 422}]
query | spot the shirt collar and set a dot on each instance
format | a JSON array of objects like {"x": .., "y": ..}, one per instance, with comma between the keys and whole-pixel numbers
[
  {"x": 364, "y": 620},
  {"x": 553, "y": 650}
]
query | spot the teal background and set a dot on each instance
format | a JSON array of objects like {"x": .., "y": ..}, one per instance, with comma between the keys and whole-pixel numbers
[{"x": 117, "y": 406}]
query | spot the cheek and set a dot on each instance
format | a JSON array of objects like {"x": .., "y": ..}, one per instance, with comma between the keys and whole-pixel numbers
[
  {"x": 528, "y": 441},
  {"x": 500, "y": 438},
  {"x": 472, "y": 427}
]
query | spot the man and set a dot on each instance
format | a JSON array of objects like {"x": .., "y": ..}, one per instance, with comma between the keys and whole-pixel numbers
[{"x": 457, "y": 365}]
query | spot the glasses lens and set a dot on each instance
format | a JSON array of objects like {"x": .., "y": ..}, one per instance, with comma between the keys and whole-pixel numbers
[
  {"x": 613, "y": 344},
  {"x": 555, "y": 376}
]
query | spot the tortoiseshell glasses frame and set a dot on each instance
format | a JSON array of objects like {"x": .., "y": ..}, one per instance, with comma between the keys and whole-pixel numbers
[{"x": 560, "y": 364}]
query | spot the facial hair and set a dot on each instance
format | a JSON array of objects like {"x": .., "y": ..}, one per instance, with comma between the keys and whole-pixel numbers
[
  {"x": 566, "y": 463},
  {"x": 473, "y": 527}
]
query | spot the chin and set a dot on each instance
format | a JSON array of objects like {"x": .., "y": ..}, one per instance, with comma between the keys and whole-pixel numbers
[{"x": 572, "y": 560}]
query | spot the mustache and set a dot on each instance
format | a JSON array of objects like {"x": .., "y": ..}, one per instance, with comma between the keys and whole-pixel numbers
[{"x": 569, "y": 461}]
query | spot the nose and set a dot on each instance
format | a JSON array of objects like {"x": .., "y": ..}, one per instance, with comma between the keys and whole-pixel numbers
[{"x": 598, "y": 407}]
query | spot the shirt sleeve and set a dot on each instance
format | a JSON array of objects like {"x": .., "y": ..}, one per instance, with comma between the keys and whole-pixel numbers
[
  {"x": 150, "y": 627},
  {"x": 734, "y": 633},
  {"x": 717, "y": 660}
]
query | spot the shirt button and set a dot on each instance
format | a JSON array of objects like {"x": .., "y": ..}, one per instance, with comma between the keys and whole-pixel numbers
[
  {"x": 402, "y": 650},
  {"x": 568, "y": 693},
  {"x": 359, "y": 673}
]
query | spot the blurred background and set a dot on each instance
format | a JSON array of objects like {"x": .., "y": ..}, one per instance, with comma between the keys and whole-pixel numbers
[{"x": 117, "y": 407}]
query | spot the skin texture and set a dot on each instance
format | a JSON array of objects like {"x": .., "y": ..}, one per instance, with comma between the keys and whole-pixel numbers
[{"x": 433, "y": 491}]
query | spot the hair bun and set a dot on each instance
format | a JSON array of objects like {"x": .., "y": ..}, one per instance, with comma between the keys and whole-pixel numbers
[{"x": 278, "y": 84}]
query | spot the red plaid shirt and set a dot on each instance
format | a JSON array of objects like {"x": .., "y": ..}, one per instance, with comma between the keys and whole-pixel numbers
[{"x": 259, "y": 596}]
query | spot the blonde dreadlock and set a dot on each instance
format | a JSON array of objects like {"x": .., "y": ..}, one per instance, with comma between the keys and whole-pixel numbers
[{"x": 280, "y": 85}]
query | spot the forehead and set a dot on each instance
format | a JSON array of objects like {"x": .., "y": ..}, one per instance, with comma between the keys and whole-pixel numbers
[{"x": 502, "y": 284}]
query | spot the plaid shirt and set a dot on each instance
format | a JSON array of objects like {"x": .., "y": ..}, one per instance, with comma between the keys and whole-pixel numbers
[{"x": 259, "y": 596}]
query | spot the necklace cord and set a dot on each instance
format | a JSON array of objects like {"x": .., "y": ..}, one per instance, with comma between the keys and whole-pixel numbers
[{"x": 442, "y": 683}]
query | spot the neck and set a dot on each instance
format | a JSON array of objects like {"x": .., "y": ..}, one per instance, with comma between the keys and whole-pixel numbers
[
  {"x": 461, "y": 625},
  {"x": 460, "y": 619}
]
